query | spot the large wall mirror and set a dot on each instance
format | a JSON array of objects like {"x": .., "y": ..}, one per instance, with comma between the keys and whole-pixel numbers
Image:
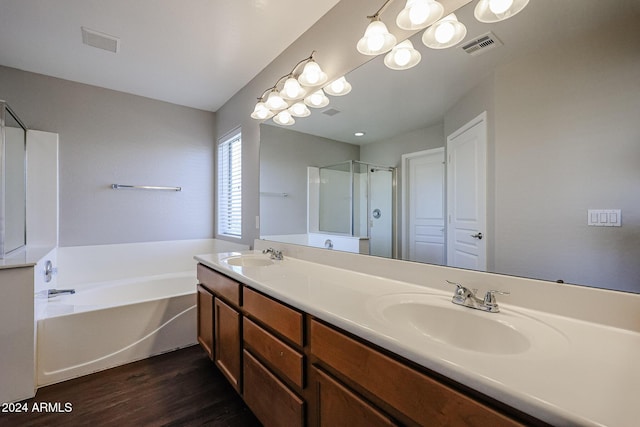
[{"x": 560, "y": 95}]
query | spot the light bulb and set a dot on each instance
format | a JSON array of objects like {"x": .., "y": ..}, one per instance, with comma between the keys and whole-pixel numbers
[
  {"x": 299, "y": 110},
  {"x": 284, "y": 118},
  {"x": 500, "y": 6},
  {"x": 275, "y": 102},
  {"x": 402, "y": 57},
  {"x": 338, "y": 87},
  {"x": 292, "y": 89},
  {"x": 445, "y": 32},
  {"x": 315, "y": 99},
  {"x": 419, "y": 12},
  {"x": 313, "y": 73},
  {"x": 261, "y": 112},
  {"x": 376, "y": 40}
]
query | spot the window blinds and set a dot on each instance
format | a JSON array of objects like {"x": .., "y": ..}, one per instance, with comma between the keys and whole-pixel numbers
[{"x": 230, "y": 187}]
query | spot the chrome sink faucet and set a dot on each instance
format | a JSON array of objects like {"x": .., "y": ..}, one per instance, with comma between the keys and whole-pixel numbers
[
  {"x": 467, "y": 298},
  {"x": 275, "y": 254}
]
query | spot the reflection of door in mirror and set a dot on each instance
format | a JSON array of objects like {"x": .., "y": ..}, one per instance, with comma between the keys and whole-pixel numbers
[
  {"x": 466, "y": 195},
  {"x": 423, "y": 204}
]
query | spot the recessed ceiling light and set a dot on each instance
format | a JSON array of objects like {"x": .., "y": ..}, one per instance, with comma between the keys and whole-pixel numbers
[{"x": 359, "y": 133}]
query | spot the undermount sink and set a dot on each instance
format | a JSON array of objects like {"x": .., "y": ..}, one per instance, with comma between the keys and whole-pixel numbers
[
  {"x": 434, "y": 317},
  {"x": 248, "y": 261}
]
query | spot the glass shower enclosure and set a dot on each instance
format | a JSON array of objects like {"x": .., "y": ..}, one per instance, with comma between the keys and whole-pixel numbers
[{"x": 358, "y": 199}]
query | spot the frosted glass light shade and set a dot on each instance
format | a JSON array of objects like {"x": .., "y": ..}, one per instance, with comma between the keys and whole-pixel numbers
[
  {"x": 275, "y": 102},
  {"x": 489, "y": 11},
  {"x": 376, "y": 40},
  {"x": 338, "y": 87},
  {"x": 317, "y": 99},
  {"x": 445, "y": 33},
  {"x": 312, "y": 75},
  {"x": 419, "y": 14},
  {"x": 402, "y": 57},
  {"x": 261, "y": 112},
  {"x": 299, "y": 110},
  {"x": 292, "y": 89},
  {"x": 284, "y": 118}
]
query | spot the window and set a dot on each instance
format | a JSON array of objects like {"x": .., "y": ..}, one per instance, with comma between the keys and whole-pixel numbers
[{"x": 230, "y": 186}]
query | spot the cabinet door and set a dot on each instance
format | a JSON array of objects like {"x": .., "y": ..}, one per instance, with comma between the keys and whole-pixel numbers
[
  {"x": 336, "y": 405},
  {"x": 227, "y": 341},
  {"x": 205, "y": 320},
  {"x": 269, "y": 399}
]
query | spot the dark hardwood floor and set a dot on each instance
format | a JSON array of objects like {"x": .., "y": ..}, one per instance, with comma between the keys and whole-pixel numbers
[{"x": 181, "y": 388}]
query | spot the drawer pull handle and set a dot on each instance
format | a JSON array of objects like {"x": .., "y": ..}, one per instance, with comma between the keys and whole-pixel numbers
[{"x": 281, "y": 353}]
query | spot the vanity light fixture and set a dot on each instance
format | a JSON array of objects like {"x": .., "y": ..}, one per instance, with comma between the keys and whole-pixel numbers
[
  {"x": 402, "y": 57},
  {"x": 490, "y": 11},
  {"x": 299, "y": 90},
  {"x": 419, "y": 14},
  {"x": 445, "y": 33},
  {"x": 440, "y": 33}
]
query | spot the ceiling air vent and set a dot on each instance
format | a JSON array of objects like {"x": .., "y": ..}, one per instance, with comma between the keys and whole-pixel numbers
[
  {"x": 100, "y": 40},
  {"x": 482, "y": 44},
  {"x": 331, "y": 112}
]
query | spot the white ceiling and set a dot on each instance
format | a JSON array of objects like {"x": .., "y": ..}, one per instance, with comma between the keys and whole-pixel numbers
[{"x": 196, "y": 53}]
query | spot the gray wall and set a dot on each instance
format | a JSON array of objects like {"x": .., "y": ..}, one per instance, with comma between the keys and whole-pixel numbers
[
  {"x": 570, "y": 141},
  {"x": 564, "y": 137},
  {"x": 110, "y": 137},
  {"x": 284, "y": 157}
]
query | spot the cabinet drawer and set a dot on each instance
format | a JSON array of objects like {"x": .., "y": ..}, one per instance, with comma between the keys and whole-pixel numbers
[
  {"x": 270, "y": 400},
  {"x": 419, "y": 397},
  {"x": 336, "y": 405},
  {"x": 219, "y": 284},
  {"x": 274, "y": 352},
  {"x": 282, "y": 319}
]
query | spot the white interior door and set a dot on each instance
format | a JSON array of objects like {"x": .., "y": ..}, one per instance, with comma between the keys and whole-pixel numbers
[
  {"x": 466, "y": 195},
  {"x": 424, "y": 206}
]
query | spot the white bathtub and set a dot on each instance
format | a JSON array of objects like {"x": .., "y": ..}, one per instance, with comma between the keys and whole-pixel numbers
[{"x": 111, "y": 322}]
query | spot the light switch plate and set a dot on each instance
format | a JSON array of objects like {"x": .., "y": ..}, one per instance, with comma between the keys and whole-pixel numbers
[{"x": 604, "y": 217}]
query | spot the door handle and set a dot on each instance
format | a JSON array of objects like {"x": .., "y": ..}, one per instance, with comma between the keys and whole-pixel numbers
[{"x": 477, "y": 236}]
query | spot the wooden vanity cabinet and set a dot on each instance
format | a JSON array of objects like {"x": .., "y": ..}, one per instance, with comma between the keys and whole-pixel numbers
[
  {"x": 295, "y": 370},
  {"x": 220, "y": 322},
  {"x": 408, "y": 394},
  {"x": 273, "y": 360}
]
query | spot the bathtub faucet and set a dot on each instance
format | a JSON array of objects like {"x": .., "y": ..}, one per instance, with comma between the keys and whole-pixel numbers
[{"x": 55, "y": 292}]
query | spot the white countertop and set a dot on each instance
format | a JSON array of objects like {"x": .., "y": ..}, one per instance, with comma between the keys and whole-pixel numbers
[
  {"x": 584, "y": 374},
  {"x": 24, "y": 257}
]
